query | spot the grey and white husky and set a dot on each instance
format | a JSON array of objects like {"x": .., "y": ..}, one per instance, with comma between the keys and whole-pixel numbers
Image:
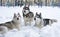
[
  {"x": 41, "y": 22},
  {"x": 15, "y": 23},
  {"x": 28, "y": 16}
]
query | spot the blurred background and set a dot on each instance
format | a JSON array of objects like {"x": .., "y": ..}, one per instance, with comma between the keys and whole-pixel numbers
[{"x": 30, "y": 2}]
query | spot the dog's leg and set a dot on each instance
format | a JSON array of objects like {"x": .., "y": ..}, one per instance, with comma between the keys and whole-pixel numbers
[
  {"x": 42, "y": 23},
  {"x": 50, "y": 22},
  {"x": 24, "y": 21},
  {"x": 30, "y": 21},
  {"x": 18, "y": 27}
]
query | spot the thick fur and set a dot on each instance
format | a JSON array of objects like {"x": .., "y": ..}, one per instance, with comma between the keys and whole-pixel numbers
[
  {"x": 41, "y": 22},
  {"x": 49, "y": 21},
  {"x": 28, "y": 18},
  {"x": 27, "y": 15},
  {"x": 15, "y": 23}
]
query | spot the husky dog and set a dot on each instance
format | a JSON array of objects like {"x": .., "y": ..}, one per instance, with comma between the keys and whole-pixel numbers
[
  {"x": 15, "y": 23},
  {"x": 27, "y": 15},
  {"x": 40, "y": 22}
]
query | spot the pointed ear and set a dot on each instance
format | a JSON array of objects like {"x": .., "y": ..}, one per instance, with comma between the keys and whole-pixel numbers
[
  {"x": 40, "y": 14},
  {"x": 14, "y": 15},
  {"x": 19, "y": 14}
]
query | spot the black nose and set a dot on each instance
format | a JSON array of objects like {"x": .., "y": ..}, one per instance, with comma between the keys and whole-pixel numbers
[
  {"x": 17, "y": 18},
  {"x": 24, "y": 11}
]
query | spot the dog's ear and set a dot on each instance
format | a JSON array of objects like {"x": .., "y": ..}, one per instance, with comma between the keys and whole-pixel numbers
[
  {"x": 40, "y": 14},
  {"x": 14, "y": 15},
  {"x": 19, "y": 14}
]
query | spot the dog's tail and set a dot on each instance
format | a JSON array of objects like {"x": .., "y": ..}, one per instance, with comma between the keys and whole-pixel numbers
[{"x": 53, "y": 20}]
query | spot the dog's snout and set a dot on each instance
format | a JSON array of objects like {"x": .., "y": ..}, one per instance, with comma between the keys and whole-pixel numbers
[{"x": 17, "y": 18}]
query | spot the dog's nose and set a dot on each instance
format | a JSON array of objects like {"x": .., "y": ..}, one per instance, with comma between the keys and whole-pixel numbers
[
  {"x": 24, "y": 11},
  {"x": 17, "y": 18}
]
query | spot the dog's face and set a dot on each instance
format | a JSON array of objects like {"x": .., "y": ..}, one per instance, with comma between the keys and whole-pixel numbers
[
  {"x": 16, "y": 18},
  {"x": 37, "y": 16},
  {"x": 26, "y": 10}
]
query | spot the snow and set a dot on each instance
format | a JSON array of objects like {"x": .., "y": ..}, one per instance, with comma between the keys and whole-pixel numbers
[{"x": 6, "y": 14}]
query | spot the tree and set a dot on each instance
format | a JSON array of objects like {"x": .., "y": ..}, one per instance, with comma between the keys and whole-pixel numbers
[
  {"x": 45, "y": 2},
  {"x": 1, "y": 2}
]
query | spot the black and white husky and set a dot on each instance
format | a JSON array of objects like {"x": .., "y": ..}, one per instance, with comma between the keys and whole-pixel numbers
[
  {"x": 41, "y": 22},
  {"x": 27, "y": 15}
]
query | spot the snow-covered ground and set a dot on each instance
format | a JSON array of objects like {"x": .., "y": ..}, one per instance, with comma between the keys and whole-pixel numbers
[{"x": 6, "y": 14}]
